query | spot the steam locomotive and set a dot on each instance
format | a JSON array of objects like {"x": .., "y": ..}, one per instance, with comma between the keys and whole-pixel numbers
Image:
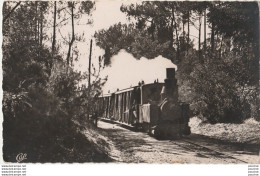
[{"x": 153, "y": 108}]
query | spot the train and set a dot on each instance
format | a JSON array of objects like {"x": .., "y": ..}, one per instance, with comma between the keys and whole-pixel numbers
[{"x": 153, "y": 108}]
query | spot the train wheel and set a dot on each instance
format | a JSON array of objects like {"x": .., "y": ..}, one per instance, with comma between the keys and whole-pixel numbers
[
  {"x": 157, "y": 133},
  {"x": 160, "y": 134},
  {"x": 186, "y": 130}
]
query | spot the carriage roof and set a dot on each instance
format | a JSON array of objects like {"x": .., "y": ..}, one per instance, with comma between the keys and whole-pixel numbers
[{"x": 130, "y": 89}]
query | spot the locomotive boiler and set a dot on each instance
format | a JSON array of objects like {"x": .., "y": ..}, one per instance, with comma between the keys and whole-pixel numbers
[{"x": 154, "y": 108}]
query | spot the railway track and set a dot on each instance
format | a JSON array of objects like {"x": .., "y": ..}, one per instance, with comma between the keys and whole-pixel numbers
[
  {"x": 207, "y": 149},
  {"x": 136, "y": 146},
  {"x": 206, "y": 152}
]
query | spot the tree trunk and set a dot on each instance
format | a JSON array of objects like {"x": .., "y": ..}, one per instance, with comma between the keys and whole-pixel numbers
[
  {"x": 220, "y": 49},
  {"x": 256, "y": 52},
  {"x": 54, "y": 29},
  {"x": 188, "y": 27},
  {"x": 72, "y": 35},
  {"x": 176, "y": 33},
  {"x": 153, "y": 27},
  {"x": 188, "y": 35},
  {"x": 199, "y": 37},
  {"x": 41, "y": 28},
  {"x": 171, "y": 35},
  {"x": 217, "y": 42},
  {"x": 212, "y": 37},
  {"x": 205, "y": 28},
  {"x": 89, "y": 79},
  {"x": 89, "y": 68},
  {"x": 183, "y": 31},
  {"x": 36, "y": 22}
]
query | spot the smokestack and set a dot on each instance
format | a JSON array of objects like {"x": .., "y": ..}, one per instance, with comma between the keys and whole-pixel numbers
[
  {"x": 171, "y": 87},
  {"x": 170, "y": 73}
]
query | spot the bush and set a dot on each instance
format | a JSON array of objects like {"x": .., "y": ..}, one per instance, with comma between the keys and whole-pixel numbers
[
  {"x": 40, "y": 124},
  {"x": 219, "y": 89}
]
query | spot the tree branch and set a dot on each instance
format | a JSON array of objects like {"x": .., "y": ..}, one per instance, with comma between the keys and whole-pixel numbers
[{"x": 8, "y": 15}]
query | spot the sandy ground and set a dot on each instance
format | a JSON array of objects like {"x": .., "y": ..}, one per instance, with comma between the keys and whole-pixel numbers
[
  {"x": 124, "y": 145},
  {"x": 247, "y": 132}
]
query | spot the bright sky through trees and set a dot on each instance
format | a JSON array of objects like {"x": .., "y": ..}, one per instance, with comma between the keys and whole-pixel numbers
[{"x": 108, "y": 13}]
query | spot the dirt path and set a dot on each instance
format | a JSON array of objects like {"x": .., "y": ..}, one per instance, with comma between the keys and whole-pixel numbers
[{"x": 138, "y": 147}]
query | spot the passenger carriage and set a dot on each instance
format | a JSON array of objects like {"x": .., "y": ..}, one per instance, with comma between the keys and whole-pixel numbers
[{"x": 152, "y": 107}]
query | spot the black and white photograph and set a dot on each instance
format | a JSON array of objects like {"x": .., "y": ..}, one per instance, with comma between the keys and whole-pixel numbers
[{"x": 158, "y": 82}]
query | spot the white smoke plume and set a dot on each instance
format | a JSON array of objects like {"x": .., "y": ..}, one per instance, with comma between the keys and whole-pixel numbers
[{"x": 126, "y": 71}]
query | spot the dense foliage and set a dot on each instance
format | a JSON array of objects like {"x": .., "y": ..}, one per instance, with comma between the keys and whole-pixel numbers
[
  {"x": 43, "y": 99},
  {"x": 45, "y": 102},
  {"x": 218, "y": 75}
]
